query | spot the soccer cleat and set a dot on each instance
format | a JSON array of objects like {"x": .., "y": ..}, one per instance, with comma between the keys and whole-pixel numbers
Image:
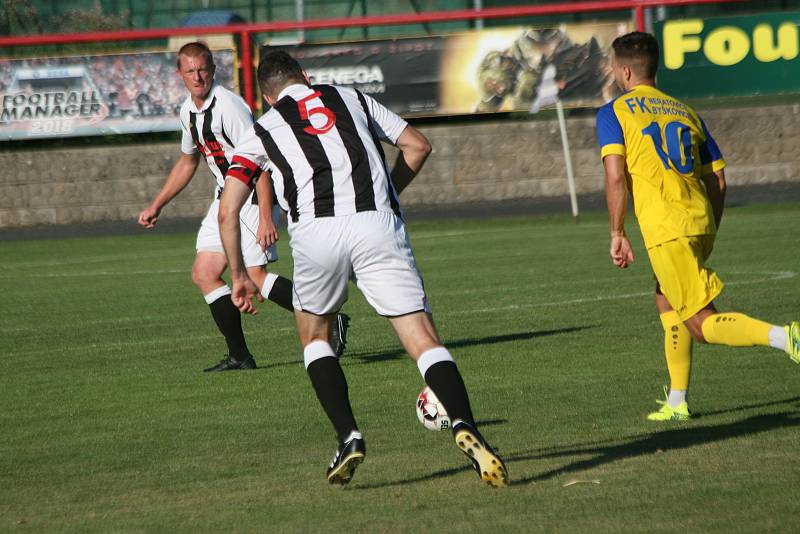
[
  {"x": 348, "y": 456},
  {"x": 229, "y": 364},
  {"x": 668, "y": 413},
  {"x": 339, "y": 333},
  {"x": 793, "y": 341},
  {"x": 486, "y": 462}
]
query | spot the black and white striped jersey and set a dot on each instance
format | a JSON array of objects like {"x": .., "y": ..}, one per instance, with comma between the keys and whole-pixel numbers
[
  {"x": 215, "y": 129},
  {"x": 322, "y": 145}
]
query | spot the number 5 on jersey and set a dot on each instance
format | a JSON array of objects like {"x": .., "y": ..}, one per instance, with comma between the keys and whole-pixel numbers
[{"x": 306, "y": 113}]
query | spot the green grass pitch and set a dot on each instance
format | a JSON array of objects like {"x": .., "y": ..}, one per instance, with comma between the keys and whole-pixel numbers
[{"x": 108, "y": 425}]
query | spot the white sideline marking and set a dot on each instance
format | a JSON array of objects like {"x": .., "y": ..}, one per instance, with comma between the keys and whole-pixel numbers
[
  {"x": 109, "y": 258},
  {"x": 415, "y": 235},
  {"x": 97, "y": 347},
  {"x": 85, "y": 274},
  {"x": 770, "y": 276}
]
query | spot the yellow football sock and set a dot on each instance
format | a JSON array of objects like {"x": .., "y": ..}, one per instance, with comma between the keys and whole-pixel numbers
[
  {"x": 678, "y": 350},
  {"x": 735, "y": 330}
]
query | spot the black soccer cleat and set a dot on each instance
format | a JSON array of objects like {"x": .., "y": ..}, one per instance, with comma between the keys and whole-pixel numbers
[
  {"x": 339, "y": 333},
  {"x": 491, "y": 469},
  {"x": 348, "y": 456},
  {"x": 229, "y": 364}
]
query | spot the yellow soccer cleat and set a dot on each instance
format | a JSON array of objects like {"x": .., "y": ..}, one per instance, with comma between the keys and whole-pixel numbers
[
  {"x": 491, "y": 469},
  {"x": 793, "y": 341},
  {"x": 668, "y": 413}
]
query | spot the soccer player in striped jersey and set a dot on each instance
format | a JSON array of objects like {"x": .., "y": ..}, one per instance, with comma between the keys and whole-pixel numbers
[
  {"x": 213, "y": 121},
  {"x": 322, "y": 144},
  {"x": 658, "y": 149}
]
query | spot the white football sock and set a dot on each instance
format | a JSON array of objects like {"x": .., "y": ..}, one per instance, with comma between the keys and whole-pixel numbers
[
  {"x": 676, "y": 397},
  {"x": 315, "y": 351},
  {"x": 778, "y": 338},
  {"x": 355, "y": 434},
  {"x": 220, "y": 292},
  {"x": 269, "y": 281},
  {"x": 431, "y": 357}
]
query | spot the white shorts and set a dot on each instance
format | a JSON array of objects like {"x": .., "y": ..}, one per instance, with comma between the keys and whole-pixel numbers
[
  {"x": 209, "y": 240},
  {"x": 371, "y": 248}
]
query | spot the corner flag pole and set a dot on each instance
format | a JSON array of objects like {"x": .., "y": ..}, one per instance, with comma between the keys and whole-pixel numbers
[{"x": 562, "y": 125}]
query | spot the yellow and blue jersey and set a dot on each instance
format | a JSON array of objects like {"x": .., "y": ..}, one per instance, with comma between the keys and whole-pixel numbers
[{"x": 667, "y": 150}]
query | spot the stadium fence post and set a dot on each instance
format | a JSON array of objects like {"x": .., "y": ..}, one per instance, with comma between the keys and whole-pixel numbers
[
  {"x": 562, "y": 125},
  {"x": 247, "y": 68},
  {"x": 638, "y": 12}
]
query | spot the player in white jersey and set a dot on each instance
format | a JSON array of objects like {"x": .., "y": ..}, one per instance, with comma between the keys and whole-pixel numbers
[
  {"x": 322, "y": 145},
  {"x": 213, "y": 121}
]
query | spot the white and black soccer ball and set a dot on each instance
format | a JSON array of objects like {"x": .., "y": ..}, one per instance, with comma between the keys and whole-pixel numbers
[{"x": 431, "y": 412}]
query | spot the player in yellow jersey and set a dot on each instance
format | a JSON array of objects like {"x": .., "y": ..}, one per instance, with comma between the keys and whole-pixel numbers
[{"x": 658, "y": 149}]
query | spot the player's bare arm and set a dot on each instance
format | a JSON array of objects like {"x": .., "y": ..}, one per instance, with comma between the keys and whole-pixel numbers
[
  {"x": 178, "y": 178},
  {"x": 414, "y": 150},
  {"x": 266, "y": 234},
  {"x": 715, "y": 187},
  {"x": 617, "y": 202},
  {"x": 234, "y": 195}
]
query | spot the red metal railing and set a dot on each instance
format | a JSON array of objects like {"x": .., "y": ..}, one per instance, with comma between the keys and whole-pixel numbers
[{"x": 245, "y": 31}]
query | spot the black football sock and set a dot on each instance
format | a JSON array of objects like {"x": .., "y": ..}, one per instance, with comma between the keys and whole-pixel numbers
[
  {"x": 229, "y": 321},
  {"x": 281, "y": 293},
  {"x": 331, "y": 387},
  {"x": 446, "y": 382}
]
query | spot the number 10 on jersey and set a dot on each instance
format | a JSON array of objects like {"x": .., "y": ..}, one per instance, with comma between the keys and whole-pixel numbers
[{"x": 679, "y": 145}]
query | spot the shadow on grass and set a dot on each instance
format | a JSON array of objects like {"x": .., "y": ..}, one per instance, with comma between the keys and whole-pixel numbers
[
  {"x": 791, "y": 401},
  {"x": 492, "y": 422},
  {"x": 399, "y": 352},
  {"x": 610, "y": 451},
  {"x": 393, "y": 354},
  {"x": 674, "y": 439}
]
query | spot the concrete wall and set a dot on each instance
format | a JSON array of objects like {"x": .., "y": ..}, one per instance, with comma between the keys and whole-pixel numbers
[{"x": 492, "y": 160}]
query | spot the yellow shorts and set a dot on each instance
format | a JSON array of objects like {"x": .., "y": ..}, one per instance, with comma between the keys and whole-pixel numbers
[{"x": 679, "y": 266}]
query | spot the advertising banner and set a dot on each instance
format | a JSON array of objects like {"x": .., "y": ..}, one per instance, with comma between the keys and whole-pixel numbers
[
  {"x": 402, "y": 74},
  {"x": 96, "y": 95},
  {"x": 730, "y": 56},
  {"x": 509, "y": 69}
]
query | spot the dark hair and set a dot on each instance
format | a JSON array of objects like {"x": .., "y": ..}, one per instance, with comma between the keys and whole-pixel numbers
[
  {"x": 639, "y": 51},
  {"x": 195, "y": 49},
  {"x": 276, "y": 70}
]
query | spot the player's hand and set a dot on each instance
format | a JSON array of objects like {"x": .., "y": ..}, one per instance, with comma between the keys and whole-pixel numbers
[
  {"x": 244, "y": 289},
  {"x": 148, "y": 217},
  {"x": 266, "y": 234},
  {"x": 621, "y": 251}
]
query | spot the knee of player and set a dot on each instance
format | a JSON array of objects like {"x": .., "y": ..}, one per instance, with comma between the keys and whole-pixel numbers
[
  {"x": 203, "y": 275},
  {"x": 698, "y": 336},
  {"x": 696, "y": 331}
]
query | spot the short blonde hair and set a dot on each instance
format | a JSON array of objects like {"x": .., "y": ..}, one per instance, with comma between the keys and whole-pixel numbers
[{"x": 195, "y": 49}]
